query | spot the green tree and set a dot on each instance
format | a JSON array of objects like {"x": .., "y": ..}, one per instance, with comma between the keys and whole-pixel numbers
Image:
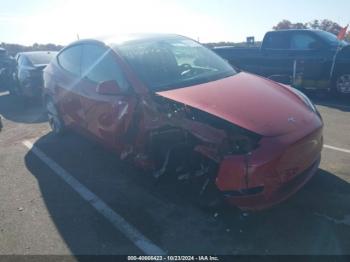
[
  {"x": 326, "y": 25},
  {"x": 286, "y": 24},
  {"x": 13, "y": 49}
]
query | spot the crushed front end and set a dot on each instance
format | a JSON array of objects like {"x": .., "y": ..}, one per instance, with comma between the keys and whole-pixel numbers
[{"x": 226, "y": 161}]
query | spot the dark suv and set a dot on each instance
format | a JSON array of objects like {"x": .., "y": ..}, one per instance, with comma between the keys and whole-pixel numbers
[
  {"x": 28, "y": 73},
  {"x": 7, "y": 65}
]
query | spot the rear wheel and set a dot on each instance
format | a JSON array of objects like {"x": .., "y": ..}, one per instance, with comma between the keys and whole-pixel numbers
[
  {"x": 15, "y": 87},
  {"x": 55, "y": 120}
]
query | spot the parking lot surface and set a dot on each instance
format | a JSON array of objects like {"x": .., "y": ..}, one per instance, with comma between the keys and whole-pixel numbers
[{"x": 67, "y": 195}]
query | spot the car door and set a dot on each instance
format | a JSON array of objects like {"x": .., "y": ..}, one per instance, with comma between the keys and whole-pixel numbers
[
  {"x": 276, "y": 59},
  {"x": 68, "y": 87},
  {"x": 107, "y": 117},
  {"x": 23, "y": 71},
  {"x": 312, "y": 61}
]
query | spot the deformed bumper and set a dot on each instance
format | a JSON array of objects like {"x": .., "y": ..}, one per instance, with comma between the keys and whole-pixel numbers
[
  {"x": 258, "y": 198},
  {"x": 271, "y": 174}
]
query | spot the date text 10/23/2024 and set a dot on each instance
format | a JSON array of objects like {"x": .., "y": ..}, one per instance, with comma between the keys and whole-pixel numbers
[{"x": 173, "y": 258}]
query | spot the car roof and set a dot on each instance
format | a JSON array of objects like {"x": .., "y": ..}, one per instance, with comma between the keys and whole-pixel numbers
[
  {"x": 293, "y": 30},
  {"x": 115, "y": 40}
]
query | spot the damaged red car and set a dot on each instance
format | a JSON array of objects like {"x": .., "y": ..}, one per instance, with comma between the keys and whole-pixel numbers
[{"x": 172, "y": 106}]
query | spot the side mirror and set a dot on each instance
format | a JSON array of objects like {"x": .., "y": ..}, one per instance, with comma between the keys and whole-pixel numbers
[{"x": 109, "y": 87}]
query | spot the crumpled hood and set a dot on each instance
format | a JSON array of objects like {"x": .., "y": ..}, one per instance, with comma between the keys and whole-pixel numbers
[{"x": 249, "y": 101}]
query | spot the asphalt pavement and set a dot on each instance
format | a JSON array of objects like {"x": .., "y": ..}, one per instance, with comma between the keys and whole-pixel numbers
[{"x": 69, "y": 196}]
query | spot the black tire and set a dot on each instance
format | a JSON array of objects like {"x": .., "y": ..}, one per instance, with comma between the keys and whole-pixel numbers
[
  {"x": 14, "y": 88},
  {"x": 341, "y": 84},
  {"x": 55, "y": 121}
]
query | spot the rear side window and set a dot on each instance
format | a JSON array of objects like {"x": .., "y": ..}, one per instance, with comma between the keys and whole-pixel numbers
[
  {"x": 277, "y": 41},
  {"x": 25, "y": 61},
  {"x": 70, "y": 59},
  {"x": 302, "y": 41},
  {"x": 99, "y": 65}
]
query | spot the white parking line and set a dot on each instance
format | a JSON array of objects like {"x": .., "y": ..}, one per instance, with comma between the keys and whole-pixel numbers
[
  {"x": 142, "y": 242},
  {"x": 337, "y": 149}
]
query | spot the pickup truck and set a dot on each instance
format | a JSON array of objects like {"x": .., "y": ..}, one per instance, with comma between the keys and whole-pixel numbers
[{"x": 309, "y": 59}]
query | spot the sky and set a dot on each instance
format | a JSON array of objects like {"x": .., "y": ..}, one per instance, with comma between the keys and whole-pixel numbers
[{"x": 60, "y": 21}]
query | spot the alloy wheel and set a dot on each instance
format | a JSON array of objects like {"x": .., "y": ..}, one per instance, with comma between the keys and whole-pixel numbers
[{"x": 343, "y": 84}]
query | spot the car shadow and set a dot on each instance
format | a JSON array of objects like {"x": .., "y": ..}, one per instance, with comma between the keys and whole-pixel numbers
[
  {"x": 316, "y": 220},
  {"x": 311, "y": 222},
  {"x": 21, "y": 110}
]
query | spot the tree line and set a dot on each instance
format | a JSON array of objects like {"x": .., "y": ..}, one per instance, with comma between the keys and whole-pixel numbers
[
  {"x": 323, "y": 24},
  {"x": 13, "y": 49}
]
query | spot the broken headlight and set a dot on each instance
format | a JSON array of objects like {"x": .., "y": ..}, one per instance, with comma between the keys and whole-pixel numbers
[{"x": 242, "y": 143}]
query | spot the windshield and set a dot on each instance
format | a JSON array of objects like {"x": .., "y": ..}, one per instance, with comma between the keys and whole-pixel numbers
[
  {"x": 41, "y": 58},
  {"x": 173, "y": 62},
  {"x": 331, "y": 38}
]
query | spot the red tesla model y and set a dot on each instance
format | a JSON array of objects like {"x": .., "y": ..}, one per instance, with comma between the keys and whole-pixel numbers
[{"x": 168, "y": 104}]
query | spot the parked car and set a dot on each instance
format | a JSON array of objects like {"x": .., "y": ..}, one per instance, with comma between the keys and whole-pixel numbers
[
  {"x": 7, "y": 65},
  {"x": 28, "y": 74},
  {"x": 170, "y": 105},
  {"x": 310, "y": 59}
]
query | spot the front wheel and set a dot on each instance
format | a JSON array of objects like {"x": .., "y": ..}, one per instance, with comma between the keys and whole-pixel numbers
[
  {"x": 342, "y": 84},
  {"x": 55, "y": 121}
]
